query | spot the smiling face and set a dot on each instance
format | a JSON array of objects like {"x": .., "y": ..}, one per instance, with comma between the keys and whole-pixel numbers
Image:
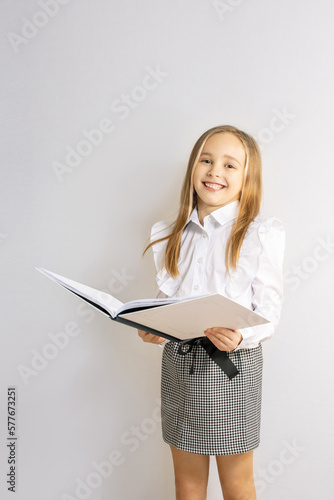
[{"x": 219, "y": 173}]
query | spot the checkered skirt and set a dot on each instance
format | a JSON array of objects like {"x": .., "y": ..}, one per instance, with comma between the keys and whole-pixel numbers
[{"x": 205, "y": 412}]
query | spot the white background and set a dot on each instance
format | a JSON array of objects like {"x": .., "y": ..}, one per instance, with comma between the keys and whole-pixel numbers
[{"x": 244, "y": 63}]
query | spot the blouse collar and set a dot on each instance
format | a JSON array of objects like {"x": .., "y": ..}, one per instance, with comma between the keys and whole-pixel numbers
[{"x": 221, "y": 215}]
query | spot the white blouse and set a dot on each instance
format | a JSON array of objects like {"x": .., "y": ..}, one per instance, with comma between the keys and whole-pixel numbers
[{"x": 258, "y": 281}]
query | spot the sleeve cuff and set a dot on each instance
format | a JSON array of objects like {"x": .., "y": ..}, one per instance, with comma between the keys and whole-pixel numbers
[
  {"x": 162, "y": 345},
  {"x": 249, "y": 340}
]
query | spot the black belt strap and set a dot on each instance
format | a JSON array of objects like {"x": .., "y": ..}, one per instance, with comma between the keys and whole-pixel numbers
[{"x": 219, "y": 357}]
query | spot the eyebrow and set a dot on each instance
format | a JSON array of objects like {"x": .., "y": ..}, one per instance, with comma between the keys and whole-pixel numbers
[{"x": 226, "y": 156}]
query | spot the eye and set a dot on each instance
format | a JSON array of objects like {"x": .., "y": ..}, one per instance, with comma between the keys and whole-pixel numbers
[
  {"x": 229, "y": 166},
  {"x": 206, "y": 160}
]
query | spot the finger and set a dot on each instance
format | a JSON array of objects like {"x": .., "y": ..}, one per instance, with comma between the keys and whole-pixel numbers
[
  {"x": 219, "y": 342},
  {"x": 222, "y": 343},
  {"x": 149, "y": 337},
  {"x": 221, "y": 332},
  {"x": 157, "y": 340},
  {"x": 144, "y": 335}
]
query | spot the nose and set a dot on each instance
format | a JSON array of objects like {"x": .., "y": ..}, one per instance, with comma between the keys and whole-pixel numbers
[{"x": 214, "y": 170}]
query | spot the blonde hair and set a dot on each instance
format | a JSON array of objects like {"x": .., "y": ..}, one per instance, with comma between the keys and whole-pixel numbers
[{"x": 250, "y": 201}]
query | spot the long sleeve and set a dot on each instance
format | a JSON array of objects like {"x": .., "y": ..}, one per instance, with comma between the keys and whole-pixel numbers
[
  {"x": 161, "y": 295},
  {"x": 158, "y": 254},
  {"x": 166, "y": 284},
  {"x": 267, "y": 285}
]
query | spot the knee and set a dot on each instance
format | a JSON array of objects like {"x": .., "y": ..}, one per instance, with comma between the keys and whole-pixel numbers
[
  {"x": 188, "y": 489},
  {"x": 240, "y": 490}
]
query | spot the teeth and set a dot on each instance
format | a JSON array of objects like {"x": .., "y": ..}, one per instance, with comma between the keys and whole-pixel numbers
[{"x": 213, "y": 186}]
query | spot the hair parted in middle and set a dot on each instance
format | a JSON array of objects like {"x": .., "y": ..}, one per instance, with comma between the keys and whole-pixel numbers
[{"x": 250, "y": 200}]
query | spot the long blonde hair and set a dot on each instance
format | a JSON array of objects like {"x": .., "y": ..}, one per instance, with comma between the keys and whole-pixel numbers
[{"x": 250, "y": 201}]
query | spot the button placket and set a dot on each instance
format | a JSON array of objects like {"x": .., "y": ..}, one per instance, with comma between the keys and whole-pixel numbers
[{"x": 201, "y": 250}]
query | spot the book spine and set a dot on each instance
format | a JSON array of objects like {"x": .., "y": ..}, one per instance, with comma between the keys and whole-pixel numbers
[{"x": 146, "y": 329}]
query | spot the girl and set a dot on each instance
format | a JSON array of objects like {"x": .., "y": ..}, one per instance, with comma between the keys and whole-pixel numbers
[{"x": 218, "y": 244}]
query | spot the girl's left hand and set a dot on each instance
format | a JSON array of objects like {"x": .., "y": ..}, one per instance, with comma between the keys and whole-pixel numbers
[{"x": 224, "y": 338}]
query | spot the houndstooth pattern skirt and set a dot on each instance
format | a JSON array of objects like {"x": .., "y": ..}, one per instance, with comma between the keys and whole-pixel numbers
[{"x": 205, "y": 412}]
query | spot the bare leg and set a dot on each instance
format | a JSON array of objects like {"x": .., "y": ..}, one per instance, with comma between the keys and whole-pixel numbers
[
  {"x": 236, "y": 476},
  {"x": 191, "y": 474}
]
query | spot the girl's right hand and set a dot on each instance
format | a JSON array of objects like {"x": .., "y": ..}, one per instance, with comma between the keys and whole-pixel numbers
[{"x": 149, "y": 337}]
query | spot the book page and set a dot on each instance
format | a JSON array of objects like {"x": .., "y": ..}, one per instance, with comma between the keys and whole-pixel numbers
[
  {"x": 107, "y": 302},
  {"x": 148, "y": 303},
  {"x": 189, "y": 319}
]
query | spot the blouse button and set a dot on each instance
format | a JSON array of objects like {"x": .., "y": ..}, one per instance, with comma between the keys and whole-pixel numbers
[
  {"x": 200, "y": 260},
  {"x": 204, "y": 235},
  {"x": 196, "y": 287}
]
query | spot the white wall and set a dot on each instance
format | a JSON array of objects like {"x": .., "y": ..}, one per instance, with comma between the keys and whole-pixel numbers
[{"x": 244, "y": 63}]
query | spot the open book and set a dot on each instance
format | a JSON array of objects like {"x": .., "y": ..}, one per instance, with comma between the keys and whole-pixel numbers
[{"x": 174, "y": 319}]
